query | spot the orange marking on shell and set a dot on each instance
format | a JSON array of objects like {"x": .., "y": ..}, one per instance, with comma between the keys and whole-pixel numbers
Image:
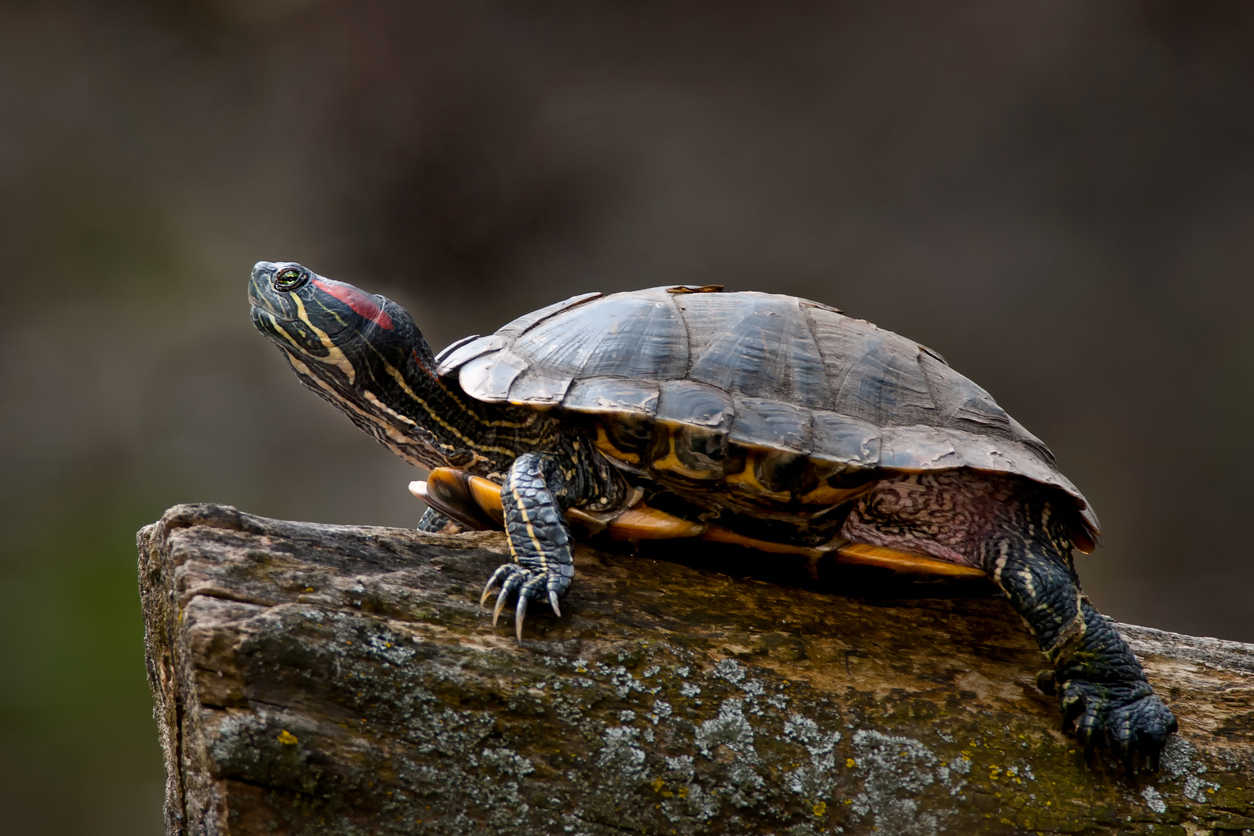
[
  {"x": 645, "y": 523},
  {"x": 864, "y": 555},
  {"x": 466, "y": 498}
]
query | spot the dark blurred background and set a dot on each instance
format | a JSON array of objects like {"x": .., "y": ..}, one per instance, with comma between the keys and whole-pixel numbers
[{"x": 1059, "y": 197}]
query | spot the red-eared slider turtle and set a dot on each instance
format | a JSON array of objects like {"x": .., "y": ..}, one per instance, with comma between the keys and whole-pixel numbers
[{"x": 772, "y": 418}]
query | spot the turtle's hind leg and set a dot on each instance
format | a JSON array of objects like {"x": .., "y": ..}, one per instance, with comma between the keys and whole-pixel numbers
[
  {"x": 1010, "y": 528},
  {"x": 1101, "y": 686}
]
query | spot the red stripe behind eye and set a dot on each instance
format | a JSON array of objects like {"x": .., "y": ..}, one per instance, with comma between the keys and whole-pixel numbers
[{"x": 358, "y": 301}]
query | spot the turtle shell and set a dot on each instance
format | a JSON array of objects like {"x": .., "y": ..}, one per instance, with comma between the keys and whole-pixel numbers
[{"x": 779, "y": 405}]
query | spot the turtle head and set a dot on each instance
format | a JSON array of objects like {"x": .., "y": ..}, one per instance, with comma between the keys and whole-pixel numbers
[
  {"x": 332, "y": 324},
  {"x": 360, "y": 351}
]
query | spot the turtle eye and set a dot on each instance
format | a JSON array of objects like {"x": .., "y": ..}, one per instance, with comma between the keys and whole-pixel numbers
[{"x": 290, "y": 279}]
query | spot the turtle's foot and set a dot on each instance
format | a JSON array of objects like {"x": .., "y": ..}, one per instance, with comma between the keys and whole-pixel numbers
[
  {"x": 539, "y": 539},
  {"x": 1125, "y": 717},
  {"x": 529, "y": 585}
]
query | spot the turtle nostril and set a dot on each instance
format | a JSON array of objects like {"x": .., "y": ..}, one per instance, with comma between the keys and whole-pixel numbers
[{"x": 262, "y": 269}]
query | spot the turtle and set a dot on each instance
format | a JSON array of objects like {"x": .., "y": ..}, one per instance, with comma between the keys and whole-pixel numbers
[{"x": 772, "y": 419}]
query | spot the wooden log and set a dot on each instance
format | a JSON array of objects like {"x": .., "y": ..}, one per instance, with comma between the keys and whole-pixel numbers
[{"x": 316, "y": 679}]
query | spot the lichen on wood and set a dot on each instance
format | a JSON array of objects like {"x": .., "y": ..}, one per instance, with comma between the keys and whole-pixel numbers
[{"x": 316, "y": 679}]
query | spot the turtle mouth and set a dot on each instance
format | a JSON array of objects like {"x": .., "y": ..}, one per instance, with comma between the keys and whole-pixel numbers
[{"x": 256, "y": 307}]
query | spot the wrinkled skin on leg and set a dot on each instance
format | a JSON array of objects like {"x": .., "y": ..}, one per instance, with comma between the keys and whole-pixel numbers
[{"x": 1012, "y": 529}]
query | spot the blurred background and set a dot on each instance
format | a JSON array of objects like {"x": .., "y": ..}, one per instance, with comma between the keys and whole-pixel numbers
[{"x": 1059, "y": 197}]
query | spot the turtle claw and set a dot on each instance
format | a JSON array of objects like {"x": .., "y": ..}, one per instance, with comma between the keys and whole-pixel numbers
[
  {"x": 500, "y": 605},
  {"x": 513, "y": 581},
  {"x": 496, "y": 578},
  {"x": 520, "y": 612},
  {"x": 530, "y": 592},
  {"x": 553, "y": 603}
]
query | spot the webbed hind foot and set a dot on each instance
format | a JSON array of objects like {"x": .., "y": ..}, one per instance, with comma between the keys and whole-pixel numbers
[{"x": 1125, "y": 717}]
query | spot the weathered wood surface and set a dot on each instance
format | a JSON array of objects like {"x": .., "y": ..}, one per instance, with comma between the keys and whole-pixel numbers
[{"x": 315, "y": 679}]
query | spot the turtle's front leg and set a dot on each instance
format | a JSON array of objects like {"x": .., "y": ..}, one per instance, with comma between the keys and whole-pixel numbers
[
  {"x": 533, "y": 498},
  {"x": 1100, "y": 684}
]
